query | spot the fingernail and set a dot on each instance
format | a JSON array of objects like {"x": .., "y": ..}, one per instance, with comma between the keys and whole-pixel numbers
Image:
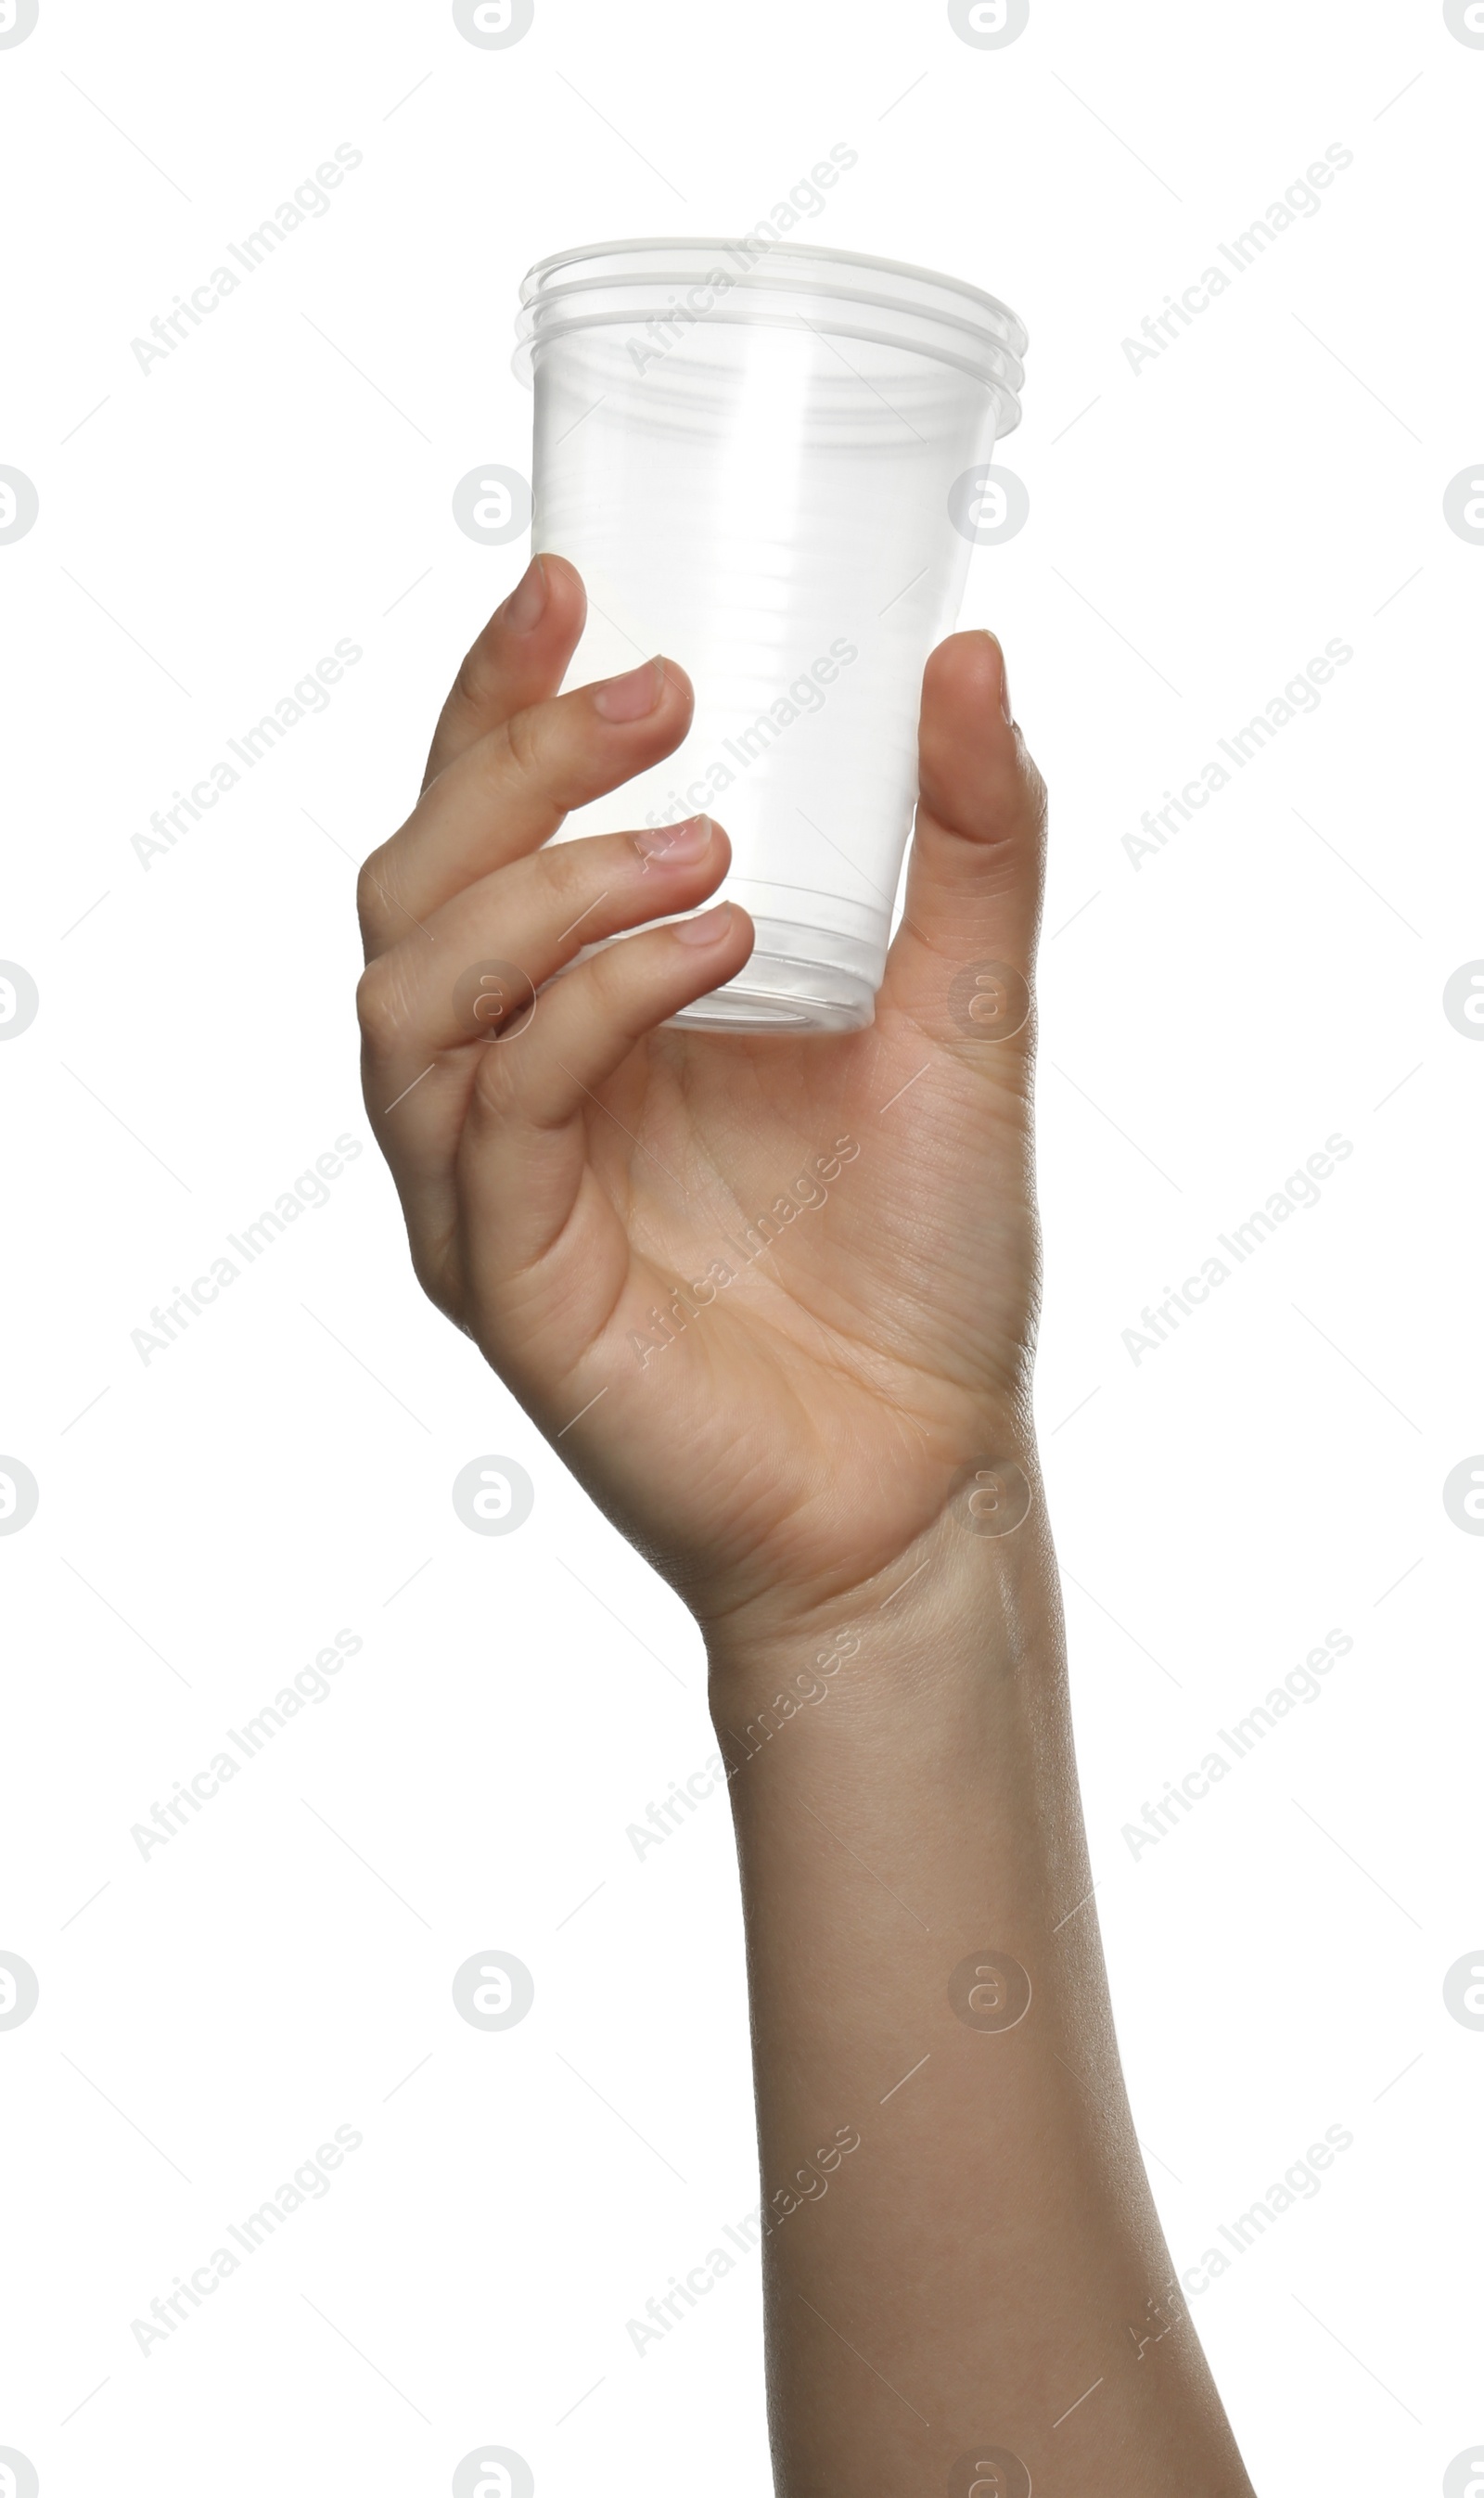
[
  {"x": 679, "y": 842},
  {"x": 1003, "y": 679},
  {"x": 631, "y": 696},
  {"x": 527, "y": 603},
  {"x": 708, "y": 930}
]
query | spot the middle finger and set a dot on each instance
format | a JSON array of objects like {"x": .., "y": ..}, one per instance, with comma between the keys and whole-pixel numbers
[
  {"x": 529, "y": 920},
  {"x": 506, "y": 794}
]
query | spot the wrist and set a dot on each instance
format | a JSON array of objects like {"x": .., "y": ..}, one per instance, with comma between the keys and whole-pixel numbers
[{"x": 975, "y": 1588}]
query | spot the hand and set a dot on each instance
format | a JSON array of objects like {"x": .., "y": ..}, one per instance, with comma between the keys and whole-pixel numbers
[{"x": 773, "y": 1416}]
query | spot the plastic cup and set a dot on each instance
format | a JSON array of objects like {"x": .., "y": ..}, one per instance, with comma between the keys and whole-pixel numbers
[{"x": 761, "y": 457}]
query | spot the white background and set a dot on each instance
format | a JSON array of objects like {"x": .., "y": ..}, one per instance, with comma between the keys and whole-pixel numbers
[{"x": 207, "y": 1519}]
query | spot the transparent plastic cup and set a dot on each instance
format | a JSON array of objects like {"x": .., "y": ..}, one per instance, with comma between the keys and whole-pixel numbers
[{"x": 761, "y": 458}]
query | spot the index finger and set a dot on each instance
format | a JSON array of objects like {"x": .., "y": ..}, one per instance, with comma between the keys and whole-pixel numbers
[{"x": 519, "y": 658}]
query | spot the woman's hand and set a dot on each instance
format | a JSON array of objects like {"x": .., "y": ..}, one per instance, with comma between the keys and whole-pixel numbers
[
  {"x": 776, "y": 1419},
  {"x": 772, "y": 1410}
]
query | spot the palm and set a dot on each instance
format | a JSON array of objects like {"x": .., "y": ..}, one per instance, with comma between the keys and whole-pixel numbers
[{"x": 793, "y": 1424}]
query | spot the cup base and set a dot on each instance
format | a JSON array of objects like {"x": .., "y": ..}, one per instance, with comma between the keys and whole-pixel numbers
[{"x": 796, "y": 981}]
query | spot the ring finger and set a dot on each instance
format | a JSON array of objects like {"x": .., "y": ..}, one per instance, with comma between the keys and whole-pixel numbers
[{"x": 481, "y": 958}]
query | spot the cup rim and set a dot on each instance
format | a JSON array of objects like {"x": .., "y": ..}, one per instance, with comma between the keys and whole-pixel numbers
[
  {"x": 1015, "y": 336},
  {"x": 814, "y": 269}
]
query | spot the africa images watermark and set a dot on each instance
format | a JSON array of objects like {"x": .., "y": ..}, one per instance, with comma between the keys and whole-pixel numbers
[
  {"x": 811, "y": 2181},
  {"x": 807, "y": 693},
  {"x": 666, "y": 2313},
  {"x": 311, "y": 199},
  {"x": 807, "y": 1191},
  {"x": 1302, "y": 199},
  {"x": 1243, "y": 1240},
  {"x": 310, "y": 1189},
  {"x": 310, "y": 1688},
  {"x": 1300, "y": 1688},
  {"x": 662, "y": 1820},
  {"x": 311, "y": 694},
  {"x": 806, "y": 199},
  {"x": 1300, "y": 2183},
  {"x": 310, "y": 2182},
  {"x": 805, "y": 1690},
  {"x": 1299, "y": 695}
]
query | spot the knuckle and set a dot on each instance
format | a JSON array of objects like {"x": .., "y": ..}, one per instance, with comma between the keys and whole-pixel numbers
[
  {"x": 614, "y": 983},
  {"x": 578, "y": 874},
  {"x": 523, "y": 744},
  {"x": 476, "y": 682},
  {"x": 1036, "y": 796},
  {"x": 493, "y": 1090},
  {"x": 382, "y": 1004},
  {"x": 371, "y": 892}
]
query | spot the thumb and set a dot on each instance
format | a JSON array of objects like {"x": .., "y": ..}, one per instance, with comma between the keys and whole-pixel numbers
[{"x": 975, "y": 874}]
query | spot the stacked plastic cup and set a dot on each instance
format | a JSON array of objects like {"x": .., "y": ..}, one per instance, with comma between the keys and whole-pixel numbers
[{"x": 758, "y": 458}]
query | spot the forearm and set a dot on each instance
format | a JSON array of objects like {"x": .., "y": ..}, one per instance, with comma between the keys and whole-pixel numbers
[{"x": 965, "y": 2279}]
